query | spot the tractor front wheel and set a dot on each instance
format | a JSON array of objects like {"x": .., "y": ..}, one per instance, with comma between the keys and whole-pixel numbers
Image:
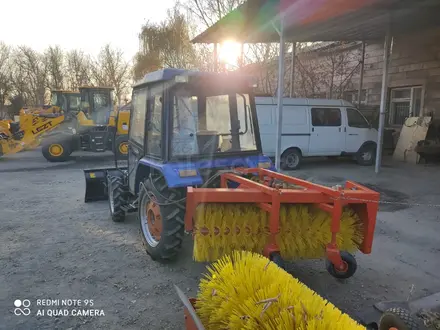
[
  {"x": 161, "y": 215},
  {"x": 117, "y": 197}
]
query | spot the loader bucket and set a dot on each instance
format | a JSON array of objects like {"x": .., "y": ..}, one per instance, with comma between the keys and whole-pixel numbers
[{"x": 96, "y": 183}]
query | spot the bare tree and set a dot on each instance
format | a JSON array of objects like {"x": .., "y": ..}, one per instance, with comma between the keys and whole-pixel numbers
[
  {"x": 327, "y": 69},
  {"x": 111, "y": 69},
  {"x": 54, "y": 61},
  {"x": 29, "y": 75},
  {"x": 166, "y": 44},
  {"x": 5, "y": 77},
  {"x": 78, "y": 70},
  {"x": 206, "y": 13}
]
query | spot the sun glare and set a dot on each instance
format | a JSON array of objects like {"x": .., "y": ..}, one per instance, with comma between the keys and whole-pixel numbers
[{"x": 229, "y": 52}]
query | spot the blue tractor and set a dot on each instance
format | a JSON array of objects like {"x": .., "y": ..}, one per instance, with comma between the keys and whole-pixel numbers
[{"x": 185, "y": 128}]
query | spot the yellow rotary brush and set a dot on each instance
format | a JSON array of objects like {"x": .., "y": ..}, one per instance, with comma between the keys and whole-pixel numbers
[
  {"x": 304, "y": 230},
  {"x": 246, "y": 291}
]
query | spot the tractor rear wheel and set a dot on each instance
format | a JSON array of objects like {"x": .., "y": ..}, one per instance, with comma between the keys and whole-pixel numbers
[
  {"x": 117, "y": 197},
  {"x": 56, "y": 151},
  {"x": 161, "y": 215}
]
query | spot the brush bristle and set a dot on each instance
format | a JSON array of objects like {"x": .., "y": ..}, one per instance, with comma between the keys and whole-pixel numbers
[
  {"x": 246, "y": 291},
  {"x": 304, "y": 231}
]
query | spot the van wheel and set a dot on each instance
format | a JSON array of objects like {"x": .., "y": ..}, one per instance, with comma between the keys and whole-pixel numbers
[
  {"x": 291, "y": 159},
  {"x": 366, "y": 155}
]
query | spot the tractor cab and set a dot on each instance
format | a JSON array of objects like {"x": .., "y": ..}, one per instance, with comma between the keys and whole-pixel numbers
[
  {"x": 192, "y": 116},
  {"x": 96, "y": 105},
  {"x": 66, "y": 100}
]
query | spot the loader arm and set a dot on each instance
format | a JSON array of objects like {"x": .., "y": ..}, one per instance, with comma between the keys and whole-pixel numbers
[{"x": 32, "y": 126}]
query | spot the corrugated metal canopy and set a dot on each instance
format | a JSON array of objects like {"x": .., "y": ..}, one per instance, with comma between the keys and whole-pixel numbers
[{"x": 323, "y": 20}]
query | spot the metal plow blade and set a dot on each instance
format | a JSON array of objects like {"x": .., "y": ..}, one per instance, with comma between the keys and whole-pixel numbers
[{"x": 96, "y": 183}]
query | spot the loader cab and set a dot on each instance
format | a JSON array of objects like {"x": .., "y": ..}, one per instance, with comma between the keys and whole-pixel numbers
[
  {"x": 96, "y": 105},
  {"x": 66, "y": 100}
]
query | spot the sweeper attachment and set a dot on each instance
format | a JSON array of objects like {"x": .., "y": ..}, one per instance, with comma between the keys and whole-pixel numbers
[
  {"x": 245, "y": 290},
  {"x": 195, "y": 160},
  {"x": 283, "y": 218}
]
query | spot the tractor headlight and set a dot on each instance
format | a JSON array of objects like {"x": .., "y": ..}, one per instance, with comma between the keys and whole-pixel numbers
[
  {"x": 187, "y": 173},
  {"x": 264, "y": 165}
]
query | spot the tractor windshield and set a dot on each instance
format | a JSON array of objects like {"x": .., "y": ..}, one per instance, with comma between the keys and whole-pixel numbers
[{"x": 211, "y": 122}]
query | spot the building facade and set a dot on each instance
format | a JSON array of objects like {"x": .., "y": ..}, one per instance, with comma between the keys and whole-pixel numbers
[{"x": 332, "y": 70}]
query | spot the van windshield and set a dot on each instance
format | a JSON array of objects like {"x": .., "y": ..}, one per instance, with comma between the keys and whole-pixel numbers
[{"x": 210, "y": 123}]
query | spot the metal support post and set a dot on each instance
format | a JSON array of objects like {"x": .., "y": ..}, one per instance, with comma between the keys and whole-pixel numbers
[
  {"x": 383, "y": 100},
  {"x": 292, "y": 70},
  {"x": 361, "y": 77},
  {"x": 279, "y": 113},
  {"x": 215, "y": 57}
]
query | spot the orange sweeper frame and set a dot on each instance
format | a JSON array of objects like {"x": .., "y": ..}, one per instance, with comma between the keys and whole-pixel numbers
[{"x": 270, "y": 194}]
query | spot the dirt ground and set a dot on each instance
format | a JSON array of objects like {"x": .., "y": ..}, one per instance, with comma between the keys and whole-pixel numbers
[{"x": 54, "y": 246}]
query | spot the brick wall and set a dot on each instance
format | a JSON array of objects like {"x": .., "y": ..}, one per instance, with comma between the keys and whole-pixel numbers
[{"x": 415, "y": 61}]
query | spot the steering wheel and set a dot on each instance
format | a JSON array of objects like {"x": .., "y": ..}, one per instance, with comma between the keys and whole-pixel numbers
[{"x": 191, "y": 130}]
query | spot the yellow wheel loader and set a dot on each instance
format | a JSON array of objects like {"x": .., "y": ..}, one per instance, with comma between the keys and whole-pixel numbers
[
  {"x": 62, "y": 101},
  {"x": 87, "y": 122},
  {"x": 15, "y": 137},
  {"x": 96, "y": 126}
]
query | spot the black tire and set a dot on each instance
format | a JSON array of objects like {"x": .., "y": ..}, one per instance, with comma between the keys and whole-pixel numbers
[
  {"x": 351, "y": 266},
  {"x": 291, "y": 159},
  {"x": 172, "y": 214},
  {"x": 63, "y": 156},
  {"x": 117, "y": 150},
  {"x": 399, "y": 318},
  {"x": 275, "y": 257},
  {"x": 117, "y": 197},
  {"x": 366, "y": 155}
]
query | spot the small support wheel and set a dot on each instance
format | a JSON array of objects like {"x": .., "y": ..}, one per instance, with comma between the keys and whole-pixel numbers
[
  {"x": 350, "y": 266},
  {"x": 397, "y": 318},
  {"x": 276, "y": 258}
]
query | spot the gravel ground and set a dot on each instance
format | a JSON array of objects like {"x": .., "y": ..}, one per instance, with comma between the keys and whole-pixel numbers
[{"x": 54, "y": 246}]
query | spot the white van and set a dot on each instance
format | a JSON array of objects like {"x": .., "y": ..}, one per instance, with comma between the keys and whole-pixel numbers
[{"x": 315, "y": 127}]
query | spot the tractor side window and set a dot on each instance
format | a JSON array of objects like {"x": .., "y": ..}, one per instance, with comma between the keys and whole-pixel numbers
[
  {"x": 137, "y": 120},
  {"x": 218, "y": 117},
  {"x": 154, "y": 123},
  {"x": 185, "y": 114}
]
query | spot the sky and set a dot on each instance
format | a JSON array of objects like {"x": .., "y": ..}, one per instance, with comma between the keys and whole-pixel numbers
[{"x": 81, "y": 24}]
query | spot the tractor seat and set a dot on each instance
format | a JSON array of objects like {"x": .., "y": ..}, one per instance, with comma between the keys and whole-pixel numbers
[{"x": 208, "y": 141}]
